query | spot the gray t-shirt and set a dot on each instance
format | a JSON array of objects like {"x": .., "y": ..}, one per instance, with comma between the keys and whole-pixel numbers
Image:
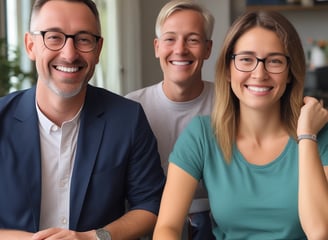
[{"x": 168, "y": 118}]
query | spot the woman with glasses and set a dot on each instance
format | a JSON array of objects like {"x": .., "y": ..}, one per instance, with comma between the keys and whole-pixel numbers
[{"x": 263, "y": 153}]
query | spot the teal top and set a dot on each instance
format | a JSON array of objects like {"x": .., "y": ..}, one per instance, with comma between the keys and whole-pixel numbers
[{"x": 247, "y": 201}]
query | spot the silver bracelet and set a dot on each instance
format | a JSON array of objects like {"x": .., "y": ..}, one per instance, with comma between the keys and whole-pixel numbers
[{"x": 312, "y": 137}]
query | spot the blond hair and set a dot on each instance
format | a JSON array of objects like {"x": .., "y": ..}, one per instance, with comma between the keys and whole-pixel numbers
[{"x": 178, "y": 5}]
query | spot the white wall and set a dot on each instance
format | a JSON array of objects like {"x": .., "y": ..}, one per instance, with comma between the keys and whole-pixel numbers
[{"x": 221, "y": 10}]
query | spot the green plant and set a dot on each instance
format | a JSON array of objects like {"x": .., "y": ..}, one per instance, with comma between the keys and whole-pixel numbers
[{"x": 10, "y": 67}]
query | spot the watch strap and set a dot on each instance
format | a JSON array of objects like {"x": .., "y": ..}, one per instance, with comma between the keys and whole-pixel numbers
[{"x": 102, "y": 234}]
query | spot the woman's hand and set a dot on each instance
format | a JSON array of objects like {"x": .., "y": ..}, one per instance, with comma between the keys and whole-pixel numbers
[{"x": 313, "y": 116}]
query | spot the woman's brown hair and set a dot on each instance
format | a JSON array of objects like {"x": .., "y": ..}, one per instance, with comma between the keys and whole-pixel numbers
[{"x": 225, "y": 115}]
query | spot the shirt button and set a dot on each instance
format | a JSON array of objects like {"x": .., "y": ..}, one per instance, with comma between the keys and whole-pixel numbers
[
  {"x": 63, "y": 183},
  {"x": 63, "y": 220},
  {"x": 54, "y": 128}
]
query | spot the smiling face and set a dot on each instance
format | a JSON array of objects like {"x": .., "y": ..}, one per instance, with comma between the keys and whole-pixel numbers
[
  {"x": 182, "y": 46},
  {"x": 258, "y": 89},
  {"x": 67, "y": 71}
]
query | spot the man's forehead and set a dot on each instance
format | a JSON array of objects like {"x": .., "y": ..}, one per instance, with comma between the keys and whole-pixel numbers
[{"x": 59, "y": 14}]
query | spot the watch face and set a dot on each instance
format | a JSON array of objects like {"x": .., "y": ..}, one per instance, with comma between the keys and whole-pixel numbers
[{"x": 102, "y": 234}]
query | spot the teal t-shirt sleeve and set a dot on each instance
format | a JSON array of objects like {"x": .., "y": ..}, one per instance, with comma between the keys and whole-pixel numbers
[
  {"x": 323, "y": 145},
  {"x": 188, "y": 149}
]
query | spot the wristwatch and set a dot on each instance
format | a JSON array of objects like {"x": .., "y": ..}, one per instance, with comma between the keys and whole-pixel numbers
[{"x": 102, "y": 234}]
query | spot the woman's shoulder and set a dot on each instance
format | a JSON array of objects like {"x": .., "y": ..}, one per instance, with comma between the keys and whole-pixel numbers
[
  {"x": 199, "y": 127},
  {"x": 201, "y": 121}
]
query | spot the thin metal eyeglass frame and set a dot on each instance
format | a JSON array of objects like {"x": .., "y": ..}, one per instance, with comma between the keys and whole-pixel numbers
[
  {"x": 233, "y": 57},
  {"x": 43, "y": 33}
]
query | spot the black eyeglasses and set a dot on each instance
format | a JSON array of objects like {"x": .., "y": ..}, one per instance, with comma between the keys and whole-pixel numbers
[
  {"x": 54, "y": 40},
  {"x": 276, "y": 63}
]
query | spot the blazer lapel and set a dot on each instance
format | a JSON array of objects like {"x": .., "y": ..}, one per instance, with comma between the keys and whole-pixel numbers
[
  {"x": 26, "y": 137},
  {"x": 89, "y": 140}
]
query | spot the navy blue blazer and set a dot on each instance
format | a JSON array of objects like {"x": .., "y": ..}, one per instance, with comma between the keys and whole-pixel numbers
[{"x": 116, "y": 159}]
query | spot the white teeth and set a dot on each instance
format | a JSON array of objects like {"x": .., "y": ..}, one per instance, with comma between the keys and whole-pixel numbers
[
  {"x": 180, "y": 63},
  {"x": 258, "y": 89},
  {"x": 67, "y": 69}
]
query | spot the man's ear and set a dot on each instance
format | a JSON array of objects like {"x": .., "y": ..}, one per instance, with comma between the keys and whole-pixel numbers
[
  {"x": 99, "y": 48},
  {"x": 29, "y": 45},
  {"x": 156, "y": 42},
  {"x": 209, "y": 44}
]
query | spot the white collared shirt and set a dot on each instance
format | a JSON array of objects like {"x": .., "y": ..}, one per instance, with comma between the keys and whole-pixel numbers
[{"x": 58, "y": 149}]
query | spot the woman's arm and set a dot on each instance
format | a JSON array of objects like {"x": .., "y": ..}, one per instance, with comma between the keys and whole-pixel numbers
[
  {"x": 177, "y": 196},
  {"x": 15, "y": 235},
  {"x": 313, "y": 177}
]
